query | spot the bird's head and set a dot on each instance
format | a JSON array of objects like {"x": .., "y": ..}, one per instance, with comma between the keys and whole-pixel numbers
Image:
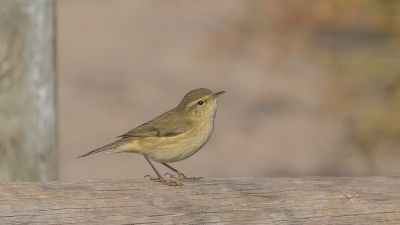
[{"x": 200, "y": 103}]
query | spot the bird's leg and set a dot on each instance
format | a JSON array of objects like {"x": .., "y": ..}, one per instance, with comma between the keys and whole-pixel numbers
[
  {"x": 181, "y": 175},
  {"x": 160, "y": 178}
]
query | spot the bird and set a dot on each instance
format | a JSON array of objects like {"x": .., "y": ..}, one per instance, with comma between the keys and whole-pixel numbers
[{"x": 173, "y": 136}]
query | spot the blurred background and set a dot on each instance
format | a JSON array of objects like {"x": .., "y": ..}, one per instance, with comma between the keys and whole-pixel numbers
[{"x": 313, "y": 86}]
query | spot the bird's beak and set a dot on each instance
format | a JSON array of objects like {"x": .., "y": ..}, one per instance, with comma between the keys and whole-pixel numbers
[{"x": 217, "y": 94}]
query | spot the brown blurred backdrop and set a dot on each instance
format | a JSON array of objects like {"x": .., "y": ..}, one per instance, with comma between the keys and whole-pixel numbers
[{"x": 313, "y": 87}]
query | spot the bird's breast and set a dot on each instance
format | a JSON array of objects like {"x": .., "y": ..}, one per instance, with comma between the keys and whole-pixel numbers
[{"x": 180, "y": 147}]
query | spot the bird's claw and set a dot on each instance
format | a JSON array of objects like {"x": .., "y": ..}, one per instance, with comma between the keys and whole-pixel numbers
[
  {"x": 165, "y": 182},
  {"x": 170, "y": 175},
  {"x": 153, "y": 178},
  {"x": 183, "y": 177}
]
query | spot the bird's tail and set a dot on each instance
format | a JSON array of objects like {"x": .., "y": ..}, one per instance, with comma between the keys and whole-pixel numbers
[{"x": 104, "y": 148}]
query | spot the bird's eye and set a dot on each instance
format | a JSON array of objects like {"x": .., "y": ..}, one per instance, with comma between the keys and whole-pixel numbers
[{"x": 200, "y": 102}]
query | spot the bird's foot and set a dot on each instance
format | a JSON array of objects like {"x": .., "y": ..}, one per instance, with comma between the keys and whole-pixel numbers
[
  {"x": 163, "y": 181},
  {"x": 182, "y": 176}
]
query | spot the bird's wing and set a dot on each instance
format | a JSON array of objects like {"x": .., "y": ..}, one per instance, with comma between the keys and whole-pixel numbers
[{"x": 166, "y": 126}]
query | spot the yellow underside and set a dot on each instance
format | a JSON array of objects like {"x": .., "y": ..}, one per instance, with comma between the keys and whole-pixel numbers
[{"x": 166, "y": 149}]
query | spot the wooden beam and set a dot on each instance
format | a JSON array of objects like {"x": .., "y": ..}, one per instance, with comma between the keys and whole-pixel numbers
[
  {"x": 28, "y": 131},
  {"x": 314, "y": 200}
]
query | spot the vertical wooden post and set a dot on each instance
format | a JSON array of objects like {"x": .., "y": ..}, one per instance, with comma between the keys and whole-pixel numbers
[{"x": 28, "y": 131}]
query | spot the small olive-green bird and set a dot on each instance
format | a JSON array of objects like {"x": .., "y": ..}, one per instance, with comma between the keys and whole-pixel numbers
[{"x": 174, "y": 136}]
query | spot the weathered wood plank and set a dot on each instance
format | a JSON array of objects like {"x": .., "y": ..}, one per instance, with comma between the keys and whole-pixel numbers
[
  {"x": 28, "y": 129},
  {"x": 374, "y": 200}
]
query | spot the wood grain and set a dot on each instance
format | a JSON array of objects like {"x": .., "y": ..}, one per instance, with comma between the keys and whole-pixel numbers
[{"x": 314, "y": 200}]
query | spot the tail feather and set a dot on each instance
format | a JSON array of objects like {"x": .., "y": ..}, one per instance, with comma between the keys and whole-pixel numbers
[{"x": 101, "y": 149}]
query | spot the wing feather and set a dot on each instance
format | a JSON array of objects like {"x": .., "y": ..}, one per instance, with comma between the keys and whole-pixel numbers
[{"x": 167, "y": 125}]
